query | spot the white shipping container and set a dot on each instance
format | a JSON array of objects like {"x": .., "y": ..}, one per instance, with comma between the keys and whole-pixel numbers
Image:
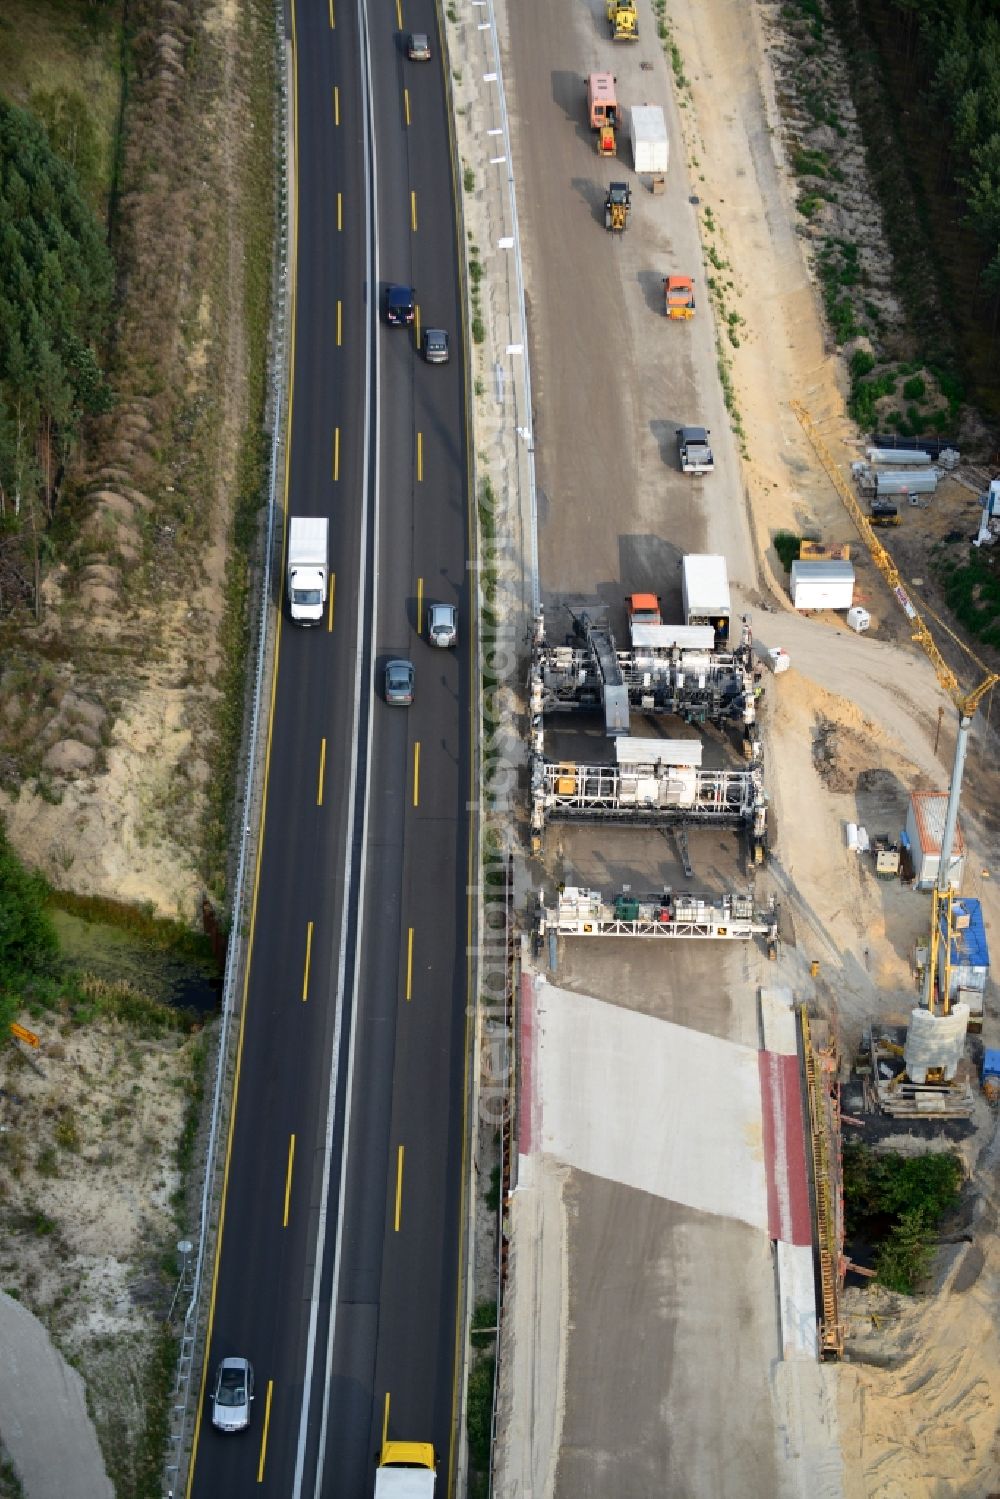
[
  {"x": 822, "y": 585},
  {"x": 912, "y": 481},
  {"x": 899, "y": 457},
  {"x": 648, "y": 130}
]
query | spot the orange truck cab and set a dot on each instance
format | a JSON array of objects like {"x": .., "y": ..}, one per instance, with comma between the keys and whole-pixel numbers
[
  {"x": 679, "y": 296},
  {"x": 643, "y": 609},
  {"x": 602, "y": 106}
]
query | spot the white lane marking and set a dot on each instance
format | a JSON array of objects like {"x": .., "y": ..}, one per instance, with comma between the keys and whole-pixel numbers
[{"x": 371, "y": 259}]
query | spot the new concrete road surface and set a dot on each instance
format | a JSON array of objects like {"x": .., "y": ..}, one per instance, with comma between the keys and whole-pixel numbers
[{"x": 44, "y": 1421}]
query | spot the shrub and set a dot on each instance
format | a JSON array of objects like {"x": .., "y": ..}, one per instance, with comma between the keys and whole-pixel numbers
[
  {"x": 914, "y": 389},
  {"x": 862, "y": 363},
  {"x": 897, "y": 1202},
  {"x": 787, "y": 546}
]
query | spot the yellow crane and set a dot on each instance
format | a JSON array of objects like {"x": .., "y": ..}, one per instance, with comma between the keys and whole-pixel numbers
[{"x": 965, "y": 702}]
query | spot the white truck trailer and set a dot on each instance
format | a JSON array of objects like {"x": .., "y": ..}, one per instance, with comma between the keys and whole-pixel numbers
[
  {"x": 650, "y": 146},
  {"x": 405, "y": 1471},
  {"x": 308, "y": 567},
  {"x": 705, "y": 588}
]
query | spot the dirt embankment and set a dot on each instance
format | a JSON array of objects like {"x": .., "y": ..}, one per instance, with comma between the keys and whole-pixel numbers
[
  {"x": 113, "y": 714},
  {"x": 113, "y": 717}
]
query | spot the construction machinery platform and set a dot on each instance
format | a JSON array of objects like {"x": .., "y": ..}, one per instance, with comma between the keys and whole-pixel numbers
[
  {"x": 665, "y": 672},
  {"x": 651, "y": 793},
  {"x": 665, "y": 915}
]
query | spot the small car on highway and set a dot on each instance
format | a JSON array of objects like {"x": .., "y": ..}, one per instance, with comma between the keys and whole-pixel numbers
[
  {"x": 442, "y": 625},
  {"x": 418, "y": 47},
  {"x": 436, "y": 346},
  {"x": 399, "y": 305},
  {"x": 399, "y": 683},
  {"x": 232, "y": 1395}
]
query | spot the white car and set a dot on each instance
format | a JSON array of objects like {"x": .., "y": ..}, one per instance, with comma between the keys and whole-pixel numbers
[
  {"x": 442, "y": 625},
  {"x": 232, "y": 1395}
]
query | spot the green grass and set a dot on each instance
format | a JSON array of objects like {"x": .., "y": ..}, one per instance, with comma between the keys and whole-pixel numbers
[
  {"x": 63, "y": 48},
  {"x": 159, "y": 932},
  {"x": 972, "y": 590},
  {"x": 479, "y": 1410}
]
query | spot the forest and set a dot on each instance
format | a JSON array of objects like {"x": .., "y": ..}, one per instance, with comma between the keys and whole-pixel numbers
[{"x": 56, "y": 287}]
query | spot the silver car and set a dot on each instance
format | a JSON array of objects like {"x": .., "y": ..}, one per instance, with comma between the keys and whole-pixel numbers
[
  {"x": 418, "y": 47},
  {"x": 399, "y": 683},
  {"x": 436, "y": 346},
  {"x": 232, "y": 1395},
  {"x": 442, "y": 625}
]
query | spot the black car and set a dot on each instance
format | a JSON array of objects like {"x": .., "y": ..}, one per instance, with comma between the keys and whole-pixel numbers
[{"x": 399, "y": 306}]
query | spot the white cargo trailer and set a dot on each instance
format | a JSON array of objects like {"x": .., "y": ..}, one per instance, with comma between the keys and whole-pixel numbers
[
  {"x": 822, "y": 585},
  {"x": 650, "y": 147},
  {"x": 705, "y": 588}
]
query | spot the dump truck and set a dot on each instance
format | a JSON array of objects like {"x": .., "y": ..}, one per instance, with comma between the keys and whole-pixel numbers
[
  {"x": 642, "y": 609},
  {"x": 678, "y": 296},
  {"x": 705, "y": 589},
  {"x": 406, "y": 1470},
  {"x": 308, "y": 568},
  {"x": 623, "y": 20},
  {"x": 617, "y": 206},
  {"x": 693, "y": 451}
]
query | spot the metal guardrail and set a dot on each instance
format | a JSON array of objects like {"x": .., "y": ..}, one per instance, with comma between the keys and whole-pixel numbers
[{"x": 179, "y": 1436}]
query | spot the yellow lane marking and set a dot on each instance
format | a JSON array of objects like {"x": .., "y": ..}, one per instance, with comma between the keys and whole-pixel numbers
[
  {"x": 420, "y": 457},
  {"x": 413, "y": 210},
  {"x": 399, "y": 1187},
  {"x": 406, "y": 105},
  {"x": 416, "y": 773},
  {"x": 399, "y": 15},
  {"x": 333, "y": 19},
  {"x": 409, "y": 964},
  {"x": 305, "y": 972},
  {"x": 385, "y": 1420},
  {"x": 293, "y": 261},
  {"x": 420, "y": 606},
  {"x": 333, "y": 595},
  {"x": 322, "y": 772},
  {"x": 336, "y": 454},
  {"x": 288, "y": 1177},
  {"x": 267, "y": 1423},
  {"x": 340, "y": 212},
  {"x": 340, "y": 322},
  {"x": 336, "y": 99},
  {"x": 416, "y": 322}
]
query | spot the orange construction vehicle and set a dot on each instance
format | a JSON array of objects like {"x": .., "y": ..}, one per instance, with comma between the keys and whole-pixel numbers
[
  {"x": 643, "y": 609},
  {"x": 678, "y": 295}
]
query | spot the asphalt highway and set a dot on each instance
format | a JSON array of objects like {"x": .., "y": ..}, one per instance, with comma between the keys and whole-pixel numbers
[{"x": 337, "y": 1273}]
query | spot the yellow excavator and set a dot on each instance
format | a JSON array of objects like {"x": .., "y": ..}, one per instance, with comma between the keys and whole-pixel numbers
[
  {"x": 617, "y": 207},
  {"x": 623, "y": 19}
]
